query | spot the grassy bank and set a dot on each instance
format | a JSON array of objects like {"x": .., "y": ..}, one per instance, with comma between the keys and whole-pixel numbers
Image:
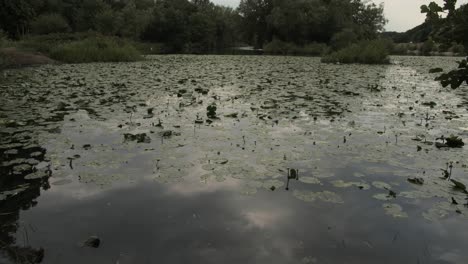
[
  {"x": 70, "y": 48},
  {"x": 277, "y": 47},
  {"x": 96, "y": 50},
  {"x": 364, "y": 52},
  {"x": 82, "y": 48}
]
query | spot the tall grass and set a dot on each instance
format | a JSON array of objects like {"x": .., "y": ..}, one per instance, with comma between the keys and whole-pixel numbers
[
  {"x": 278, "y": 47},
  {"x": 81, "y": 47},
  {"x": 3, "y": 43},
  {"x": 364, "y": 52},
  {"x": 99, "y": 49}
]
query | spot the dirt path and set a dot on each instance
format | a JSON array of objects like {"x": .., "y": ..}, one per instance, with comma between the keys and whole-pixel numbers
[{"x": 17, "y": 58}]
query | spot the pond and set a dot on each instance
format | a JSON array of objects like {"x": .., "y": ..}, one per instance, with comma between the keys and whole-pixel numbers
[{"x": 232, "y": 159}]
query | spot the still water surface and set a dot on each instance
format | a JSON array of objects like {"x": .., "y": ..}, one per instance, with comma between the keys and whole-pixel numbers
[{"x": 185, "y": 159}]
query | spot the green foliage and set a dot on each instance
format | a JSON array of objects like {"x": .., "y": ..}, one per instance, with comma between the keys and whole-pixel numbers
[
  {"x": 3, "y": 43},
  {"x": 451, "y": 29},
  {"x": 278, "y": 47},
  {"x": 428, "y": 46},
  {"x": 314, "y": 49},
  {"x": 47, "y": 43},
  {"x": 3, "y": 39},
  {"x": 100, "y": 49},
  {"x": 49, "y": 23},
  {"x": 457, "y": 48},
  {"x": 364, "y": 52},
  {"x": 432, "y": 11},
  {"x": 192, "y": 27},
  {"x": 343, "y": 39},
  {"x": 400, "y": 49},
  {"x": 107, "y": 22},
  {"x": 305, "y": 21},
  {"x": 150, "y": 47},
  {"x": 455, "y": 78},
  {"x": 3, "y": 60},
  {"x": 199, "y": 26},
  {"x": 133, "y": 20},
  {"x": 15, "y": 17}
]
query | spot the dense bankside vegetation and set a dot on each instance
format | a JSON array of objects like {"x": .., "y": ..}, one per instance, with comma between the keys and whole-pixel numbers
[
  {"x": 293, "y": 27},
  {"x": 444, "y": 31},
  {"x": 451, "y": 28},
  {"x": 96, "y": 49},
  {"x": 334, "y": 28},
  {"x": 370, "y": 52}
]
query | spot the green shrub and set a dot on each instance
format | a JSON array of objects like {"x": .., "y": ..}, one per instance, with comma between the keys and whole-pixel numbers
[
  {"x": 457, "y": 49},
  {"x": 278, "y": 47},
  {"x": 3, "y": 43},
  {"x": 314, "y": 49},
  {"x": 150, "y": 48},
  {"x": 3, "y": 60},
  {"x": 99, "y": 49},
  {"x": 107, "y": 22},
  {"x": 400, "y": 49},
  {"x": 428, "y": 46},
  {"x": 49, "y": 23},
  {"x": 3, "y": 39},
  {"x": 412, "y": 47},
  {"x": 365, "y": 52},
  {"x": 443, "y": 47},
  {"x": 343, "y": 39},
  {"x": 47, "y": 43}
]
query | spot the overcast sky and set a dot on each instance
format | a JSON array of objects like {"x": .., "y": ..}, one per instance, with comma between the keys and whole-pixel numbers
[{"x": 401, "y": 14}]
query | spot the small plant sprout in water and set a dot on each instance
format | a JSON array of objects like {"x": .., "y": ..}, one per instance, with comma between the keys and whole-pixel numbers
[
  {"x": 199, "y": 120},
  {"x": 450, "y": 142},
  {"x": 159, "y": 124},
  {"x": 149, "y": 113},
  {"x": 447, "y": 172},
  {"x": 211, "y": 111},
  {"x": 130, "y": 110},
  {"x": 293, "y": 174}
]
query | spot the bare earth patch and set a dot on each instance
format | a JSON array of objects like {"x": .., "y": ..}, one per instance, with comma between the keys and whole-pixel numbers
[{"x": 17, "y": 58}]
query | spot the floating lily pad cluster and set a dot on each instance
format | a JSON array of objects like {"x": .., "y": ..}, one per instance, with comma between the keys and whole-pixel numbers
[{"x": 265, "y": 115}]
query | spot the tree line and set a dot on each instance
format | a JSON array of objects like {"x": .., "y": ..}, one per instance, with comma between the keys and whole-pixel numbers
[
  {"x": 199, "y": 25},
  {"x": 451, "y": 28}
]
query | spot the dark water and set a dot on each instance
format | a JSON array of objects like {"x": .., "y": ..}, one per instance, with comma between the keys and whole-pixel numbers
[{"x": 215, "y": 192}]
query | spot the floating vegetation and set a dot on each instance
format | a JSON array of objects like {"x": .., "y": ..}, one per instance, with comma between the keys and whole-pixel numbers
[
  {"x": 211, "y": 111},
  {"x": 383, "y": 197},
  {"x": 139, "y": 138},
  {"x": 417, "y": 181},
  {"x": 459, "y": 186},
  {"x": 343, "y": 184},
  {"x": 381, "y": 185},
  {"x": 394, "y": 210},
  {"x": 309, "y": 180},
  {"x": 325, "y": 196},
  {"x": 436, "y": 70},
  {"x": 454, "y": 142},
  {"x": 438, "y": 211},
  {"x": 367, "y": 128}
]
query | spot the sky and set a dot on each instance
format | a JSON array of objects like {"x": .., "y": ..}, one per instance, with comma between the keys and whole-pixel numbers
[{"x": 401, "y": 14}]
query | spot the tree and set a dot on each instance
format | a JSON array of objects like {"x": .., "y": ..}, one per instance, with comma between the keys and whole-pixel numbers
[
  {"x": 108, "y": 22},
  {"x": 87, "y": 12},
  {"x": 134, "y": 21},
  {"x": 50, "y": 23},
  {"x": 455, "y": 78},
  {"x": 452, "y": 28},
  {"x": 15, "y": 17},
  {"x": 343, "y": 39},
  {"x": 254, "y": 20}
]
